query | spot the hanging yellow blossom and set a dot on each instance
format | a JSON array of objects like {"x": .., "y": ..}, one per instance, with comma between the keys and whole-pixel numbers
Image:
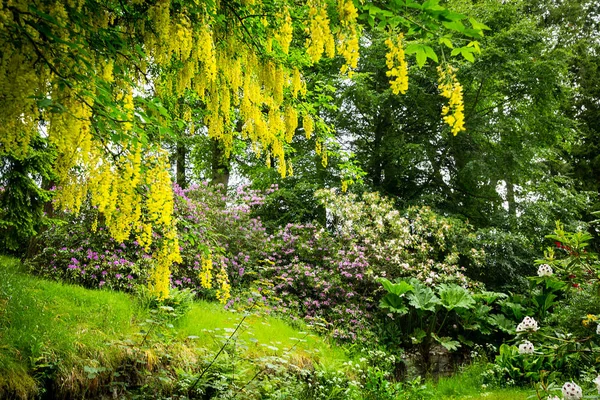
[
  {"x": 224, "y": 287},
  {"x": 284, "y": 36},
  {"x": 206, "y": 272},
  {"x": 308, "y": 124},
  {"x": 397, "y": 65},
  {"x": 348, "y": 36},
  {"x": 320, "y": 38},
  {"x": 450, "y": 88}
]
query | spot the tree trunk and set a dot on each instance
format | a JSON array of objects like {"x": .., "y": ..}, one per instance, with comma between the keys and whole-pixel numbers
[
  {"x": 512, "y": 205},
  {"x": 180, "y": 155},
  {"x": 220, "y": 168}
]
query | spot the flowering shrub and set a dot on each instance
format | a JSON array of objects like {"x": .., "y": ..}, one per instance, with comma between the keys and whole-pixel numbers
[
  {"x": 572, "y": 391},
  {"x": 528, "y": 325},
  {"x": 418, "y": 243},
  {"x": 73, "y": 253},
  {"x": 526, "y": 347},
  {"x": 326, "y": 276},
  {"x": 565, "y": 341},
  {"x": 545, "y": 270}
]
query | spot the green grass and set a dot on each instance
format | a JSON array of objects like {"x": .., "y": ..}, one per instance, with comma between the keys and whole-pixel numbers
[
  {"x": 53, "y": 331},
  {"x": 468, "y": 384},
  {"x": 260, "y": 336},
  {"x": 48, "y": 326}
]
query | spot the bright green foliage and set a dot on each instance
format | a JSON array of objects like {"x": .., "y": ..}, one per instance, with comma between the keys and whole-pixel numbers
[
  {"x": 454, "y": 296},
  {"x": 24, "y": 184},
  {"x": 447, "y": 314}
]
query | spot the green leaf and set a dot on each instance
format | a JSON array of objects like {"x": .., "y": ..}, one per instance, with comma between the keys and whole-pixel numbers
[
  {"x": 466, "y": 52},
  {"x": 501, "y": 322},
  {"x": 490, "y": 297},
  {"x": 45, "y": 102},
  {"x": 447, "y": 42},
  {"x": 396, "y": 288},
  {"x": 413, "y": 4},
  {"x": 422, "y": 52},
  {"x": 475, "y": 45},
  {"x": 454, "y": 296},
  {"x": 478, "y": 25},
  {"x": 449, "y": 343},
  {"x": 394, "y": 303},
  {"x": 454, "y": 26},
  {"x": 432, "y": 5},
  {"x": 423, "y": 298},
  {"x": 453, "y": 16},
  {"x": 421, "y": 58},
  {"x": 417, "y": 336},
  {"x": 468, "y": 56},
  {"x": 431, "y": 54}
]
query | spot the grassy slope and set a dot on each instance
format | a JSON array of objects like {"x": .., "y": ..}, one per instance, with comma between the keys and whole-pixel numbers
[
  {"x": 49, "y": 327},
  {"x": 52, "y": 328}
]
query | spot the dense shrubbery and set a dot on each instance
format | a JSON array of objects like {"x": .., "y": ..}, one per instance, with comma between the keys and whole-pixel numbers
[
  {"x": 327, "y": 275},
  {"x": 331, "y": 276},
  {"x": 559, "y": 339}
]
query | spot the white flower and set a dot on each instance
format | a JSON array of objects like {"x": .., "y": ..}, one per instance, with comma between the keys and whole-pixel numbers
[
  {"x": 526, "y": 347},
  {"x": 571, "y": 391},
  {"x": 597, "y": 383},
  {"x": 545, "y": 270},
  {"x": 528, "y": 324},
  {"x": 598, "y": 330}
]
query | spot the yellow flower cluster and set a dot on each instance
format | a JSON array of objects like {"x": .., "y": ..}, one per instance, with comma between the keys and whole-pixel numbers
[
  {"x": 320, "y": 39},
  {"x": 224, "y": 291},
  {"x": 206, "y": 272},
  {"x": 165, "y": 257},
  {"x": 309, "y": 125},
  {"x": 397, "y": 65},
  {"x": 285, "y": 34},
  {"x": 589, "y": 319},
  {"x": 450, "y": 88},
  {"x": 348, "y": 36}
]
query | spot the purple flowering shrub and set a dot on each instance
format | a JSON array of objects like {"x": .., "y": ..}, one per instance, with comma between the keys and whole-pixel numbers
[
  {"x": 317, "y": 277},
  {"x": 73, "y": 253},
  {"x": 211, "y": 222}
]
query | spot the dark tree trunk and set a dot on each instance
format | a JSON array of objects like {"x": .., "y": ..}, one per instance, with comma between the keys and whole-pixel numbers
[{"x": 180, "y": 164}]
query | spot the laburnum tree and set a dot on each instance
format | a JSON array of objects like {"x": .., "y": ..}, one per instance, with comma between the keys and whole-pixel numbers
[{"x": 106, "y": 83}]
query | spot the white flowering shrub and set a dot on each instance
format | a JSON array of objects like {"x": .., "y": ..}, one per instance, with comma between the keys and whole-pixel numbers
[
  {"x": 545, "y": 270},
  {"x": 415, "y": 243},
  {"x": 572, "y": 391},
  {"x": 526, "y": 347},
  {"x": 528, "y": 325}
]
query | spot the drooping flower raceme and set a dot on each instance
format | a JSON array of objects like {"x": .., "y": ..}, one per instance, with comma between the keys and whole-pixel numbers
[
  {"x": 545, "y": 270},
  {"x": 526, "y": 347},
  {"x": 571, "y": 391},
  {"x": 598, "y": 330},
  {"x": 528, "y": 324}
]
